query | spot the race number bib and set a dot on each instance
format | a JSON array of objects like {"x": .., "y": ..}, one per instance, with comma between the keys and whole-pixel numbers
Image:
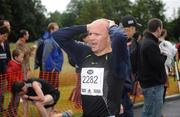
[
  {"x": 3, "y": 56},
  {"x": 92, "y": 81}
]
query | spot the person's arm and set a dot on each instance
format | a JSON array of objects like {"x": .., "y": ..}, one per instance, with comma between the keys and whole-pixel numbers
[
  {"x": 64, "y": 37},
  {"x": 25, "y": 108},
  {"x": 119, "y": 51},
  {"x": 40, "y": 95}
]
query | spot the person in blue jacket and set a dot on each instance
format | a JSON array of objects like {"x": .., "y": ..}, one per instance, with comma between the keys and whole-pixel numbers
[
  {"x": 130, "y": 25},
  {"x": 103, "y": 65},
  {"x": 49, "y": 56}
]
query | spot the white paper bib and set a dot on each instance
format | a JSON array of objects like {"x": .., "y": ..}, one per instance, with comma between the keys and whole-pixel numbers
[
  {"x": 92, "y": 81},
  {"x": 3, "y": 56}
]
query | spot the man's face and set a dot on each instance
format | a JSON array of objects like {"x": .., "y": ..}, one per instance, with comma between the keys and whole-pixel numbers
[
  {"x": 55, "y": 28},
  {"x": 130, "y": 31},
  {"x": 7, "y": 24},
  {"x": 3, "y": 37},
  {"x": 23, "y": 91},
  {"x": 26, "y": 36},
  {"x": 98, "y": 38},
  {"x": 159, "y": 31}
]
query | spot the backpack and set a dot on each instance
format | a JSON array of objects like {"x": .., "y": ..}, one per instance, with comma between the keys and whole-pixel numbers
[
  {"x": 39, "y": 53},
  {"x": 40, "y": 48}
]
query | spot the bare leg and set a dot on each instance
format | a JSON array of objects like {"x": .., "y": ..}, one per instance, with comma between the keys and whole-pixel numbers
[
  {"x": 41, "y": 109},
  {"x": 40, "y": 105},
  {"x": 64, "y": 114}
]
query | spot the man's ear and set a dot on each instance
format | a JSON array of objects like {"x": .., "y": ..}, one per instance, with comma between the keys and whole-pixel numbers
[
  {"x": 161, "y": 28},
  {"x": 158, "y": 30}
]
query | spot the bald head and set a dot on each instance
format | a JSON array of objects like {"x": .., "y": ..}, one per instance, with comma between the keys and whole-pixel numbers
[
  {"x": 100, "y": 24},
  {"x": 99, "y": 40}
]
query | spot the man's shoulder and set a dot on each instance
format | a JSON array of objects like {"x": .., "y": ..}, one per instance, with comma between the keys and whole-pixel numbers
[
  {"x": 148, "y": 41},
  {"x": 18, "y": 43}
]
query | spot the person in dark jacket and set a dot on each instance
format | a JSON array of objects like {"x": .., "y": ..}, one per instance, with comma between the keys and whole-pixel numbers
[
  {"x": 153, "y": 75},
  {"x": 6, "y": 42},
  {"x": 5, "y": 29},
  {"x": 129, "y": 24},
  {"x": 103, "y": 65},
  {"x": 3, "y": 62}
]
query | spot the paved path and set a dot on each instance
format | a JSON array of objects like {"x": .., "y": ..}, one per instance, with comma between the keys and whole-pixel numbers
[{"x": 170, "y": 109}]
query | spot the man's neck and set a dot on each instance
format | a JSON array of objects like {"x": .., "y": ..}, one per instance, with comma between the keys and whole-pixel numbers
[
  {"x": 105, "y": 51},
  {"x": 22, "y": 40},
  {"x": 155, "y": 34}
]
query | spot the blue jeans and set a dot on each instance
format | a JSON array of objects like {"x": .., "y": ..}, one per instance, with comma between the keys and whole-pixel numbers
[{"x": 153, "y": 101}]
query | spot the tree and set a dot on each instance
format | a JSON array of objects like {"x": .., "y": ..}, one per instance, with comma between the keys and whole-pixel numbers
[
  {"x": 88, "y": 10},
  {"x": 174, "y": 29},
  {"x": 91, "y": 10},
  {"x": 116, "y": 9},
  {"x": 68, "y": 19},
  {"x": 74, "y": 7},
  {"x": 24, "y": 14},
  {"x": 55, "y": 17},
  {"x": 144, "y": 10},
  {"x": 63, "y": 19},
  {"x": 5, "y": 9}
]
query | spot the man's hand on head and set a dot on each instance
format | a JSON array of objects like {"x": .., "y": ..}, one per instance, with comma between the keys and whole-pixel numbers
[{"x": 111, "y": 23}]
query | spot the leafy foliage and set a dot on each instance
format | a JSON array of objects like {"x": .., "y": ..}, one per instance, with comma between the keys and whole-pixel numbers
[
  {"x": 24, "y": 14},
  {"x": 30, "y": 14},
  {"x": 144, "y": 10},
  {"x": 89, "y": 10}
]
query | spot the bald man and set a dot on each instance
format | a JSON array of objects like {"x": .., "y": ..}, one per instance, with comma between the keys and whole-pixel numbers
[{"x": 103, "y": 65}]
